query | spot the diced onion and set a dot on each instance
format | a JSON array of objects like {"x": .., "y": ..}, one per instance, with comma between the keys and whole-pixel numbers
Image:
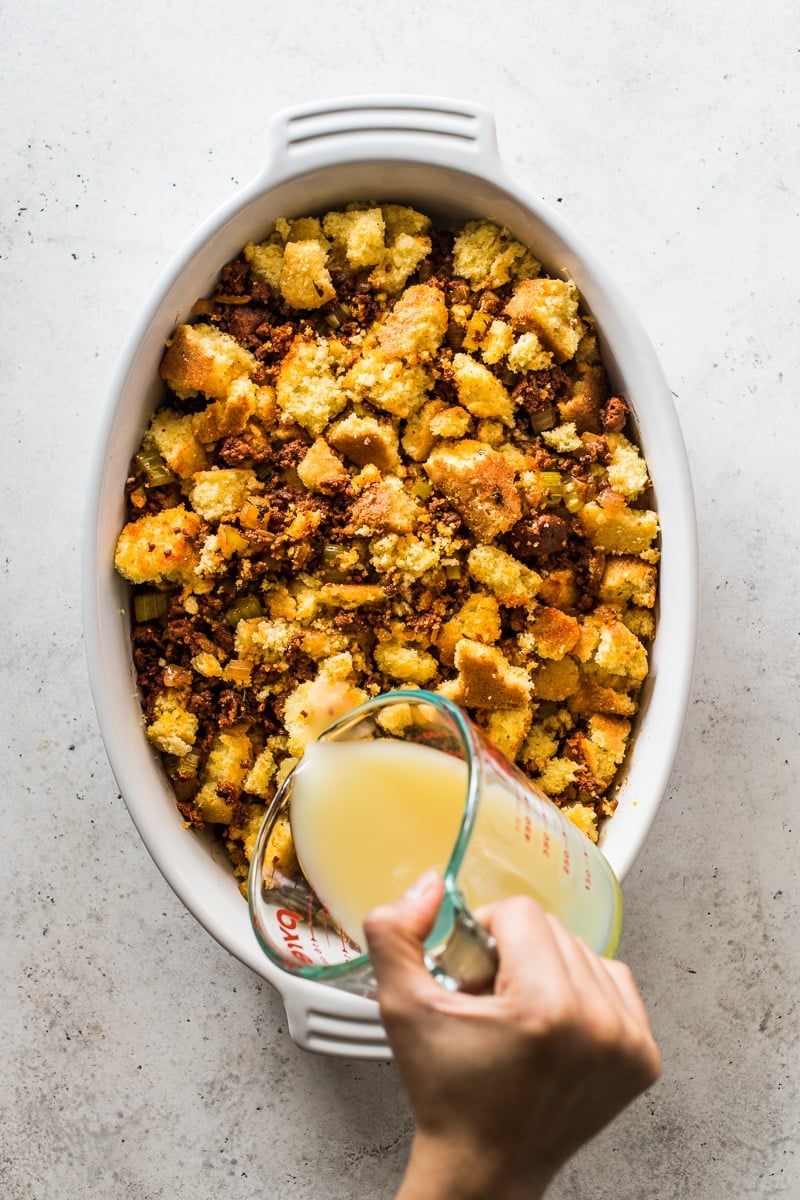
[
  {"x": 188, "y": 766},
  {"x": 238, "y": 670},
  {"x": 477, "y": 326}
]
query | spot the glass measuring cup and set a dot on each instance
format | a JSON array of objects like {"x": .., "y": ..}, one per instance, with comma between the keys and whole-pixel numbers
[{"x": 363, "y": 794}]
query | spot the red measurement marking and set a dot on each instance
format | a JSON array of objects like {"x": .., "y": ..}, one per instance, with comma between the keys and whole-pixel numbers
[
  {"x": 546, "y": 845},
  {"x": 565, "y": 863},
  {"x": 346, "y": 951},
  {"x": 287, "y": 923}
]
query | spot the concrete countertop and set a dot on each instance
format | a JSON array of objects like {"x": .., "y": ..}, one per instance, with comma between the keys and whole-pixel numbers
[{"x": 138, "y": 1059}]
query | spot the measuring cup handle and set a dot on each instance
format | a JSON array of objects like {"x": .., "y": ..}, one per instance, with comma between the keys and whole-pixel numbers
[{"x": 468, "y": 960}]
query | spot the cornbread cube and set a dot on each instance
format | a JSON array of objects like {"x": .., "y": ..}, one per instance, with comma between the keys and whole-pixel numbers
[
  {"x": 207, "y": 664},
  {"x": 489, "y": 256},
  {"x": 556, "y": 679},
  {"x": 491, "y": 432},
  {"x": 518, "y": 460},
  {"x": 322, "y": 641},
  {"x": 498, "y": 341},
  {"x": 400, "y": 261},
  {"x": 173, "y": 729},
  {"x": 557, "y": 775},
  {"x": 478, "y": 619},
  {"x": 406, "y": 664},
  {"x": 558, "y": 588},
  {"x": 540, "y": 745},
  {"x": 308, "y": 390},
  {"x": 514, "y": 584},
  {"x": 479, "y": 484},
  {"x": 396, "y": 719},
  {"x": 627, "y": 470},
  {"x": 247, "y": 826},
  {"x": 263, "y": 640},
  {"x": 305, "y": 594},
  {"x": 399, "y": 218},
  {"x": 486, "y": 679},
  {"x": 320, "y": 468},
  {"x": 555, "y": 632},
  {"x": 384, "y": 507},
  {"x": 266, "y": 262},
  {"x": 160, "y": 547},
  {"x": 563, "y": 439},
  {"x": 304, "y": 229},
  {"x": 318, "y": 701},
  {"x": 584, "y": 404},
  {"x": 258, "y": 781},
  {"x": 620, "y": 652},
  {"x": 390, "y": 385},
  {"x": 592, "y": 697},
  {"x": 602, "y": 748},
  {"x": 415, "y": 327},
  {"x": 173, "y": 437},
  {"x": 219, "y": 492},
  {"x": 213, "y": 561},
  {"x": 366, "y": 440},
  {"x": 548, "y": 308},
  {"x": 223, "y": 418},
  {"x": 404, "y": 553},
  {"x": 201, "y": 358},
  {"x": 359, "y": 233},
  {"x": 350, "y": 596},
  {"x": 305, "y": 281},
  {"x": 628, "y": 580},
  {"x": 528, "y": 354},
  {"x": 280, "y": 858},
  {"x": 640, "y": 621},
  {"x": 588, "y": 352},
  {"x": 582, "y": 816},
  {"x": 223, "y": 774},
  {"x": 419, "y": 437},
  {"x": 624, "y": 531},
  {"x": 304, "y": 524},
  {"x": 481, "y": 392},
  {"x": 452, "y": 422},
  {"x": 281, "y": 603},
  {"x": 507, "y": 729}
]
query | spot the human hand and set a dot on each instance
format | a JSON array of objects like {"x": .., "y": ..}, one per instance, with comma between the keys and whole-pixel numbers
[{"x": 506, "y": 1086}]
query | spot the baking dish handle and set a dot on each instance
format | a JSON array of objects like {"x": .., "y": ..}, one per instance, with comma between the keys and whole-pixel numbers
[
  {"x": 424, "y": 129},
  {"x": 326, "y": 1021}
]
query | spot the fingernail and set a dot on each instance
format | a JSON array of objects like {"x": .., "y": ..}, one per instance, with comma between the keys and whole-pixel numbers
[{"x": 420, "y": 887}]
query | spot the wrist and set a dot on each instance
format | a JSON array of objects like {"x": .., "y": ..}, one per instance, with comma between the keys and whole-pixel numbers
[{"x": 452, "y": 1168}]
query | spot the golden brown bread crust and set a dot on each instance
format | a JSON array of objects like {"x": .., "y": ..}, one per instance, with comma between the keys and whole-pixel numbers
[{"x": 479, "y": 484}]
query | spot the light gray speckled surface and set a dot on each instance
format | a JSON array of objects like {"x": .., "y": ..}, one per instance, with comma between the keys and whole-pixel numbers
[{"x": 138, "y": 1060}]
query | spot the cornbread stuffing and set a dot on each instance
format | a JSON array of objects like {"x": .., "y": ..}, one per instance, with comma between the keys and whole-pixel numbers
[{"x": 387, "y": 455}]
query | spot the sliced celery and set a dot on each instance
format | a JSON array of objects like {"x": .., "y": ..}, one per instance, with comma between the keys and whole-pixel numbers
[
  {"x": 244, "y": 608},
  {"x": 147, "y": 606}
]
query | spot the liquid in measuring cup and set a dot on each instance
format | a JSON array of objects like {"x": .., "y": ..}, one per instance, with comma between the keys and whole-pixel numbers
[{"x": 369, "y": 817}]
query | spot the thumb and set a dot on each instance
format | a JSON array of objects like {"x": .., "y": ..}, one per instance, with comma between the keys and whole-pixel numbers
[{"x": 396, "y": 933}]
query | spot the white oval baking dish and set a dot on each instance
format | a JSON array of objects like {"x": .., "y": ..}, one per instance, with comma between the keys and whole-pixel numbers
[{"x": 440, "y": 156}]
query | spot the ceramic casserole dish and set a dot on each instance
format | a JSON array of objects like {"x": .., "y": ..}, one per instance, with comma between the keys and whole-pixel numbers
[{"x": 441, "y": 157}]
